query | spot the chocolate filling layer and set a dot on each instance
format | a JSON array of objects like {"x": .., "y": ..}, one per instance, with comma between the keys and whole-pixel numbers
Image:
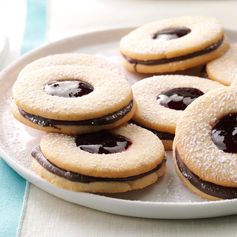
[
  {"x": 108, "y": 119},
  {"x": 204, "y": 186},
  {"x": 75, "y": 177},
  {"x": 175, "y": 59},
  {"x": 161, "y": 135}
]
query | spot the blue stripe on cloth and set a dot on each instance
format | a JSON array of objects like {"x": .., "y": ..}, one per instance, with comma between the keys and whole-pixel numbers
[
  {"x": 35, "y": 30},
  {"x": 13, "y": 188}
]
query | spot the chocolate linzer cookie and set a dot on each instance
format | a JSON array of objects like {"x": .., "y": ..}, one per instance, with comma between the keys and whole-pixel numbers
[
  {"x": 119, "y": 160},
  {"x": 205, "y": 145},
  {"x": 70, "y": 59},
  {"x": 72, "y": 99},
  {"x": 224, "y": 69},
  {"x": 172, "y": 45},
  {"x": 161, "y": 100}
]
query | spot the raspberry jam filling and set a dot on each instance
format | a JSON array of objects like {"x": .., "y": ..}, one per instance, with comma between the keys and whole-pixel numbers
[
  {"x": 178, "y": 98},
  {"x": 224, "y": 133},
  {"x": 102, "y": 143},
  {"x": 171, "y": 33},
  {"x": 68, "y": 88}
]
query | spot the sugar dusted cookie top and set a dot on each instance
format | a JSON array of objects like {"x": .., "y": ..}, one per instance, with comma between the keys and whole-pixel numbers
[
  {"x": 110, "y": 92},
  {"x": 197, "y": 34},
  {"x": 203, "y": 149},
  {"x": 79, "y": 59},
  {"x": 150, "y": 111},
  {"x": 144, "y": 153}
]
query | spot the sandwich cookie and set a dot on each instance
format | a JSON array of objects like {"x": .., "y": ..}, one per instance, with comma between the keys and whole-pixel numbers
[
  {"x": 173, "y": 45},
  {"x": 205, "y": 145},
  {"x": 161, "y": 100},
  {"x": 119, "y": 160},
  {"x": 224, "y": 69},
  {"x": 72, "y": 99},
  {"x": 70, "y": 59}
]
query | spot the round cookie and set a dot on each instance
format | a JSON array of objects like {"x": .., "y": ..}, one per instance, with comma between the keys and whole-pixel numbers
[
  {"x": 224, "y": 69},
  {"x": 172, "y": 45},
  {"x": 79, "y": 59},
  {"x": 205, "y": 145},
  {"x": 72, "y": 99},
  {"x": 123, "y": 159},
  {"x": 161, "y": 100}
]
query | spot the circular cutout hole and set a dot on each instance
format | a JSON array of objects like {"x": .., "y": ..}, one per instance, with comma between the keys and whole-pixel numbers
[
  {"x": 178, "y": 98},
  {"x": 68, "y": 88},
  {"x": 102, "y": 143},
  {"x": 171, "y": 33}
]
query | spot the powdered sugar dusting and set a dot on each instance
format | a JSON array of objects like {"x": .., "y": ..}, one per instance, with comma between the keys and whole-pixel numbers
[
  {"x": 16, "y": 139},
  {"x": 148, "y": 109},
  {"x": 140, "y": 45},
  {"x": 71, "y": 59},
  {"x": 29, "y": 94},
  {"x": 193, "y": 137}
]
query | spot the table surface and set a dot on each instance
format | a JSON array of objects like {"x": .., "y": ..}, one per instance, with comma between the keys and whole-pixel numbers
[{"x": 46, "y": 215}]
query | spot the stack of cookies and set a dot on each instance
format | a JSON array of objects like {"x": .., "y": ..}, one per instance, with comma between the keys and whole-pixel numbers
[
  {"x": 105, "y": 136},
  {"x": 84, "y": 103}
]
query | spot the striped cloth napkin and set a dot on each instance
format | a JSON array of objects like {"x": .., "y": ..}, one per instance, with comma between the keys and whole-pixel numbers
[{"x": 13, "y": 188}]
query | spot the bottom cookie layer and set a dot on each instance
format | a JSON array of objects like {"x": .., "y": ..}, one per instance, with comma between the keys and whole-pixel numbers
[
  {"x": 209, "y": 190},
  {"x": 98, "y": 187}
]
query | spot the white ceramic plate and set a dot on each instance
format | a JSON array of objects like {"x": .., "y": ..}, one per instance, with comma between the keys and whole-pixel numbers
[{"x": 167, "y": 199}]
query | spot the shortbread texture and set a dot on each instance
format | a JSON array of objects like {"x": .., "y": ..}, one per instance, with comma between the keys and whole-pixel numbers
[
  {"x": 70, "y": 59},
  {"x": 140, "y": 45},
  {"x": 193, "y": 138},
  {"x": 224, "y": 69},
  {"x": 150, "y": 113},
  {"x": 145, "y": 153},
  {"x": 111, "y": 93}
]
